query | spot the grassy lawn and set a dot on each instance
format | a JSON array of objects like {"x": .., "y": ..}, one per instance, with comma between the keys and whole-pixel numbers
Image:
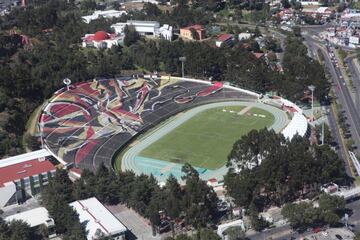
[{"x": 206, "y": 139}]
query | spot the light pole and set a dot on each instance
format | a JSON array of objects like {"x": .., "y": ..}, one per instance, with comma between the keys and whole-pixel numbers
[
  {"x": 312, "y": 89},
  {"x": 182, "y": 59},
  {"x": 67, "y": 82}
]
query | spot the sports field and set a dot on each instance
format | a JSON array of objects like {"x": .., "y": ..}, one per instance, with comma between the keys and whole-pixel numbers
[{"x": 206, "y": 139}]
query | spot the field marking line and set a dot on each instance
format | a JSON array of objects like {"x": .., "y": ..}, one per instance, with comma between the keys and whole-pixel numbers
[
  {"x": 245, "y": 110},
  {"x": 167, "y": 168}
]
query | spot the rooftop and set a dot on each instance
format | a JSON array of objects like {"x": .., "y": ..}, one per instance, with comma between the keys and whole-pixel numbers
[
  {"x": 97, "y": 216},
  {"x": 196, "y": 27},
  {"x": 99, "y": 36},
  {"x": 224, "y": 37},
  {"x": 24, "y": 157},
  {"x": 23, "y": 169},
  {"x": 33, "y": 217}
]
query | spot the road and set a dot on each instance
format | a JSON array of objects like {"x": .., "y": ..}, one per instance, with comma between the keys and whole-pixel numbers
[
  {"x": 285, "y": 232},
  {"x": 314, "y": 44},
  {"x": 355, "y": 75},
  {"x": 351, "y": 111},
  {"x": 342, "y": 93}
]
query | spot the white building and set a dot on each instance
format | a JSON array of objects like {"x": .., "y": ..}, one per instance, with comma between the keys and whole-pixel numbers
[
  {"x": 222, "y": 228},
  {"x": 244, "y": 36},
  {"x": 98, "y": 217},
  {"x": 103, "y": 14},
  {"x": 148, "y": 28},
  {"x": 102, "y": 39},
  {"x": 142, "y": 27},
  {"x": 166, "y": 32}
]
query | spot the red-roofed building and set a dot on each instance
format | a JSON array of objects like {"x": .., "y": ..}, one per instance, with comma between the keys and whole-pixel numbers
[
  {"x": 224, "y": 39},
  {"x": 259, "y": 55},
  {"x": 24, "y": 175},
  {"x": 187, "y": 32},
  {"x": 101, "y": 39}
]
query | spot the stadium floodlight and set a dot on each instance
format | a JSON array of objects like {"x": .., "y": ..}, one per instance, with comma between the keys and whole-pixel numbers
[
  {"x": 312, "y": 89},
  {"x": 67, "y": 82},
  {"x": 182, "y": 60}
]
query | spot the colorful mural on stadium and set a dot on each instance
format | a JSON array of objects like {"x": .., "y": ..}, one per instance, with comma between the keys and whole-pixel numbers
[{"x": 87, "y": 123}]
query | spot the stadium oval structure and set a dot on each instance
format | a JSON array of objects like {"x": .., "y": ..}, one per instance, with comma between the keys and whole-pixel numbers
[{"x": 87, "y": 123}]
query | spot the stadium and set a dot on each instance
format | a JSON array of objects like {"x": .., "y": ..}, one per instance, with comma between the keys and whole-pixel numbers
[{"x": 153, "y": 125}]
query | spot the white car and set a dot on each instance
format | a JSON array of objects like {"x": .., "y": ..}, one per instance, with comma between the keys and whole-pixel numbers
[{"x": 325, "y": 234}]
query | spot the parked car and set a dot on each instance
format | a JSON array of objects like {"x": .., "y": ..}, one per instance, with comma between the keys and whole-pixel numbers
[{"x": 338, "y": 236}]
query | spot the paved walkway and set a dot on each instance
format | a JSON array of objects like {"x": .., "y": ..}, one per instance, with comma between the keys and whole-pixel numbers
[{"x": 131, "y": 160}]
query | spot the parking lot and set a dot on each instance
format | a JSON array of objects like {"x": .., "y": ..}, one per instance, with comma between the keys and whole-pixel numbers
[
  {"x": 332, "y": 234},
  {"x": 137, "y": 225}
]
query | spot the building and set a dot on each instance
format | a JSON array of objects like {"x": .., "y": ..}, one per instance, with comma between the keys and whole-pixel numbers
[
  {"x": 23, "y": 175},
  {"x": 35, "y": 218},
  {"x": 323, "y": 12},
  {"x": 102, "y": 39},
  {"x": 224, "y": 39},
  {"x": 310, "y": 3},
  {"x": 146, "y": 28},
  {"x": 166, "y": 32},
  {"x": 244, "y": 36},
  {"x": 98, "y": 217},
  {"x": 223, "y": 227},
  {"x": 103, "y": 14},
  {"x": 329, "y": 188},
  {"x": 142, "y": 27},
  {"x": 187, "y": 32}
]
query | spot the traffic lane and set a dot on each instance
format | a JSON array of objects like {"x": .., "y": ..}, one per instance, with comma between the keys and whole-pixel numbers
[
  {"x": 340, "y": 148},
  {"x": 279, "y": 233},
  {"x": 336, "y": 133},
  {"x": 344, "y": 98},
  {"x": 356, "y": 80},
  {"x": 332, "y": 119},
  {"x": 352, "y": 112}
]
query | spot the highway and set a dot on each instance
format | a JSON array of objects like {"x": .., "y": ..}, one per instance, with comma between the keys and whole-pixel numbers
[
  {"x": 353, "y": 118},
  {"x": 343, "y": 95},
  {"x": 355, "y": 75}
]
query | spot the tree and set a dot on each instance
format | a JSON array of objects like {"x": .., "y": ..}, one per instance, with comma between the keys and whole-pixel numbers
[
  {"x": 88, "y": 5},
  {"x": 357, "y": 236},
  {"x": 288, "y": 169},
  {"x": 100, "y": 235},
  {"x": 173, "y": 203},
  {"x": 285, "y": 3},
  {"x": 131, "y": 35},
  {"x": 19, "y": 230},
  {"x": 305, "y": 214},
  {"x": 341, "y": 7},
  {"x": 299, "y": 215},
  {"x": 199, "y": 199},
  {"x": 5, "y": 231},
  {"x": 194, "y": 34},
  {"x": 257, "y": 222},
  {"x": 235, "y": 233},
  {"x": 297, "y": 31},
  {"x": 206, "y": 234}
]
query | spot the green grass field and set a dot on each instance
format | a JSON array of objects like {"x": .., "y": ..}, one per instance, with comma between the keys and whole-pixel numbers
[{"x": 206, "y": 139}]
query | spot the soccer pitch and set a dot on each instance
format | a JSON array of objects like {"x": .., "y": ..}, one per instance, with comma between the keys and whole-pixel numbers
[{"x": 206, "y": 139}]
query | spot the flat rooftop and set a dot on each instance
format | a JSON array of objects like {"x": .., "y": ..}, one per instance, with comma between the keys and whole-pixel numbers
[
  {"x": 23, "y": 166},
  {"x": 33, "y": 217},
  {"x": 97, "y": 216}
]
